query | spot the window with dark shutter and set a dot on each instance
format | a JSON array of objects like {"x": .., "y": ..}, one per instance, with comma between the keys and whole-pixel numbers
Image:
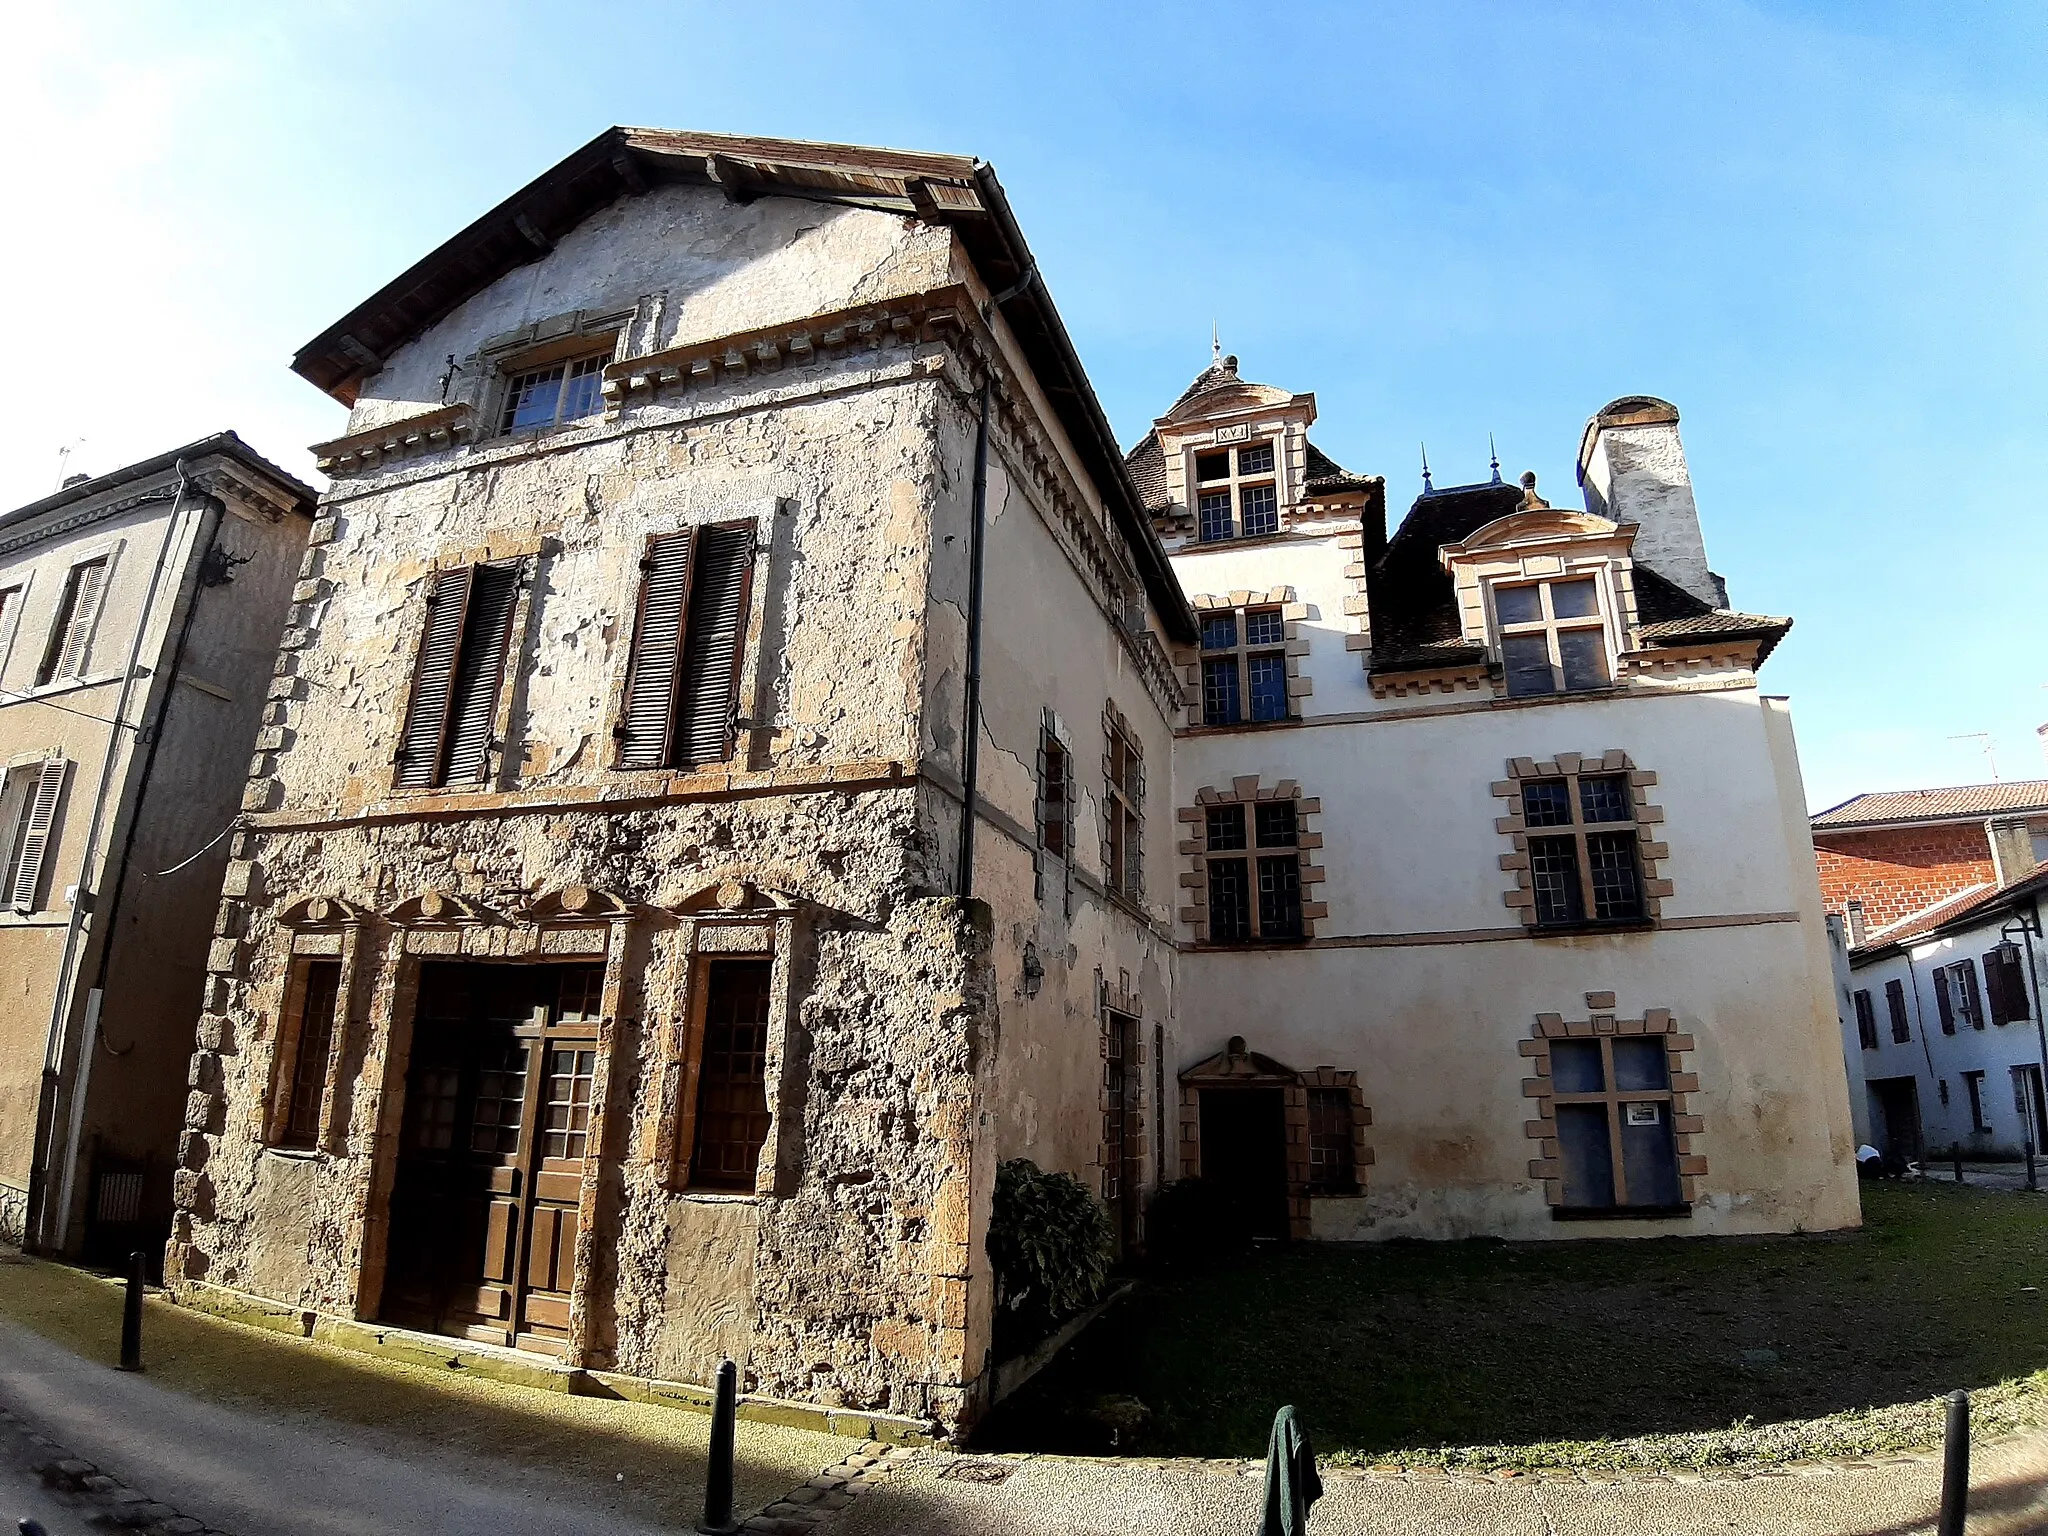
[
  {"x": 1866, "y": 1022},
  {"x": 457, "y": 677},
  {"x": 683, "y": 685},
  {"x": 1895, "y": 1003},
  {"x": 1969, "y": 1000},
  {"x": 1942, "y": 1002}
]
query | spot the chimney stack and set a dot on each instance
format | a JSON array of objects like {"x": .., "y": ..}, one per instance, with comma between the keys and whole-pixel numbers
[{"x": 1632, "y": 467}]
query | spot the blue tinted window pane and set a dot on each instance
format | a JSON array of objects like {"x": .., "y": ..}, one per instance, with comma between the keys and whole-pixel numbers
[
  {"x": 1219, "y": 691},
  {"x": 530, "y": 399},
  {"x": 1255, "y": 459},
  {"x": 1584, "y": 654},
  {"x": 1547, "y": 803},
  {"x": 1264, "y": 626},
  {"x": 1573, "y": 599},
  {"x": 1587, "y": 1155},
  {"x": 582, "y": 396},
  {"x": 1607, "y": 797},
  {"x": 1649, "y": 1157},
  {"x": 1269, "y": 687},
  {"x": 1215, "y": 515},
  {"x": 1527, "y": 658},
  {"x": 1640, "y": 1062},
  {"x": 1230, "y": 912},
  {"x": 1276, "y": 827},
  {"x": 1575, "y": 1066},
  {"x": 1260, "y": 506},
  {"x": 1518, "y": 605},
  {"x": 1219, "y": 632}
]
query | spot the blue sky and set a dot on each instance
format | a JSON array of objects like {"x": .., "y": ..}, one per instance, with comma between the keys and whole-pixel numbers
[{"x": 1819, "y": 229}]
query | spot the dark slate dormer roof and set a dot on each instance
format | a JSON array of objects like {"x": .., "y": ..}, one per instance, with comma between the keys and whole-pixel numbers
[
  {"x": 952, "y": 190},
  {"x": 1326, "y": 476},
  {"x": 1414, "y": 605}
]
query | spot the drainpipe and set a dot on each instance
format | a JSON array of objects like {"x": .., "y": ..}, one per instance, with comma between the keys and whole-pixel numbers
[
  {"x": 1926, "y": 1049},
  {"x": 970, "y": 762},
  {"x": 39, "y": 1219}
]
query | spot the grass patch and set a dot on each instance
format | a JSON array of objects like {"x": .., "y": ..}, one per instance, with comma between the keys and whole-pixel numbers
[
  {"x": 1672, "y": 1352},
  {"x": 485, "y": 1429}
]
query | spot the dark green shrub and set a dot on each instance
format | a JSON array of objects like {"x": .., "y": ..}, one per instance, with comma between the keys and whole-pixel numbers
[{"x": 1049, "y": 1239}]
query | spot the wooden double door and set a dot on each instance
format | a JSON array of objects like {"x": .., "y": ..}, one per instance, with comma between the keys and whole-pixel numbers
[{"x": 485, "y": 1206}]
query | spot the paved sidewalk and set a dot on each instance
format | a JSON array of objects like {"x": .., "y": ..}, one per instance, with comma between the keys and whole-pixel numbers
[{"x": 1041, "y": 1496}]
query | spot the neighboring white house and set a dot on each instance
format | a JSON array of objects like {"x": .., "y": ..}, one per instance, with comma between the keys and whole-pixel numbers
[{"x": 1948, "y": 1025}]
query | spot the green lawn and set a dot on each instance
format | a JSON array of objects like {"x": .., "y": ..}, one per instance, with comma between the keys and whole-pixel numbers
[{"x": 1675, "y": 1351}]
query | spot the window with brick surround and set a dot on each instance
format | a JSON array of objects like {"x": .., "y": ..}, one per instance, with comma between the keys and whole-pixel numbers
[
  {"x": 1866, "y": 1020},
  {"x": 1236, "y": 492},
  {"x": 1123, "y": 809},
  {"x": 1244, "y": 666},
  {"x": 2005, "y": 986},
  {"x": 683, "y": 677},
  {"x": 1553, "y": 636},
  {"x": 451, "y": 714},
  {"x": 1611, "y": 1097},
  {"x": 1332, "y": 1161},
  {"x": 553, "y": 393},
  {"x": 1251, "y": 876},
  {"x": 1895, "y": 1005},
  {"x": 1957, "y": 997},
  {"x": 1582, "y": 827}
]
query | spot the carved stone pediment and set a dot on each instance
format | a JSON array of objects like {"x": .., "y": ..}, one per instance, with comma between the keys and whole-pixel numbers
[
  {"x": 437, "y": 908},
  {"x": 322, "y": 912},
  {"x": 577, "y": 904},
  {"x": 734, "y": 897},
  {"x": 1235, "y": 1064}
]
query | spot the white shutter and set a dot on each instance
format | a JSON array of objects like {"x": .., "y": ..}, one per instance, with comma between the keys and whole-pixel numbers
[
  {"x": 91, "y": 586},
  {"x": 35, "y": 841}
]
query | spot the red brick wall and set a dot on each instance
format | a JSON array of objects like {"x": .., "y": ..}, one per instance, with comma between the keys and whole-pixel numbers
[{"x": 1898, "y": 871}]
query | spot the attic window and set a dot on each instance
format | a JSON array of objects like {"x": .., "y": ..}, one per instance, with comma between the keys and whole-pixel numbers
[
  {"x": 562, "y": 391},
  {"x": 1553, "y": 638},
  {"x": 1236, "y": 494}
]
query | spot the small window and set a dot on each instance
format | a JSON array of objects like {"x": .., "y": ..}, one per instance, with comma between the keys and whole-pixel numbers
[
  {"x": 1866, "y": 1021},
  {"x": 1581, "y": 872},
  {"x": 1054, "y": 795},
  {"x": 546, "y": 397},
  {"x": 1238, "y": 496},
  {"x": 65, "y": 653},
  {"x": 1611, "y": 1096},
  {"x": 1552, "y": 637},
  {"x": 1332, "y": 1160},
  {"x": 1123, "y": 803},
  {"x": 1974, "y": 1083},
  {"x": 310, "y": 1026},
  {"x": 1244, "y": 666},
  {"x": 1255, "y": 890},
  {"x": 30, "y": 803},
  {"x": 683, "y": 674},
  {"x": 1957, "y": 997},
  {"x": 732, "y": 1076},
  {"x": 1895, "y": 1005}
]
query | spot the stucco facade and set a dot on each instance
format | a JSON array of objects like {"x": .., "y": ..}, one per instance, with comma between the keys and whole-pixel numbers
[
  {"x": 139, "y": 615},
  {"x": 735, "y": 772}
]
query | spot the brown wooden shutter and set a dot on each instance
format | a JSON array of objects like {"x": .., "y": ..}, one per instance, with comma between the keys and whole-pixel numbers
[
  {"x": 1972, "y": 1000},
  {"x": 1941, "y": 999},
  {"x": 480, "y": 672},
  {"x": 35, "y": 841},
  {"x": 2017, "y": 1006},
  {"x": 647, "y": 722},
  {"x": 433, "y": 677},
  {"x": 708, "y": 687},
  {"x": 1995, "y": 988}
]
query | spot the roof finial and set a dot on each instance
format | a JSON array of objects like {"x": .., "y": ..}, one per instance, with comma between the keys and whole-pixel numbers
[
  {"x": 1426, "y": 486},
  {"x": 1494, "y": 454},
  {"x": 1215, "y": 343}
]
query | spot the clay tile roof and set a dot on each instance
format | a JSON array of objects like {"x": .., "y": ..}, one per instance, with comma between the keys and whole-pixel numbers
[
  {"x": 1958, "y": 802},
  {"x": 1929, "y": 918}
]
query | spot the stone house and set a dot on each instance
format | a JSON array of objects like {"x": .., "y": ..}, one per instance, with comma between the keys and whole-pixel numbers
[
  {"x": 139, "y": 617},
  {"x": 1904, "y": 858},
  {"x": 1494, "y": 876},
  {"x": 730, "y": 779}
]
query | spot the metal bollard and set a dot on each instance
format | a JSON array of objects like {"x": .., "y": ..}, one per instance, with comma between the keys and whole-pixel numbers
[
  {"x": 718, "y": 1520},
  {"x": 1955, "y": 1151},
  {"x": 131, "y": 1317},
  {"x": 1955, "y": 1467}
]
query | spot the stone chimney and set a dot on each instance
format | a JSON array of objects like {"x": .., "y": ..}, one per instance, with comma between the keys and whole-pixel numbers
[
  {"x": 2012, "y": 848},
  {"x": 1632, "y": 468},
  {"x": 1854, "y": 918}
]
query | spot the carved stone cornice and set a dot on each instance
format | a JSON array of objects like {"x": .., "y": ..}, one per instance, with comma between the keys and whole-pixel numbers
[{"x": 429, "y": 432}]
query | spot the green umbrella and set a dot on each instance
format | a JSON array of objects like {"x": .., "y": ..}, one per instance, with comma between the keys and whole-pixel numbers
[{"x": 1291, "y": 1481}]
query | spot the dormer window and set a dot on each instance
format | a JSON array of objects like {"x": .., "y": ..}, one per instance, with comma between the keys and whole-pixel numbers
[
  {"x": 1236, "y": 495},
  {"x": 1553, "y": 637},
  {"x": 563, "y": 391}
]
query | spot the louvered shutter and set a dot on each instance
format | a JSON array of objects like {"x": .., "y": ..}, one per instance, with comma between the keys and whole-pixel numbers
[
  {"x": 647, "y": 724},
  {"x": 480, "y": 671},
  {"x": 35, "y": 840},
  {"x": 1941, "y": 999},
  {"x": 88, "y": 586},
  {"x": 433, "y": 676},
  {"x": 710, "y": 673},
  {"x": 1994, "y": 988}
]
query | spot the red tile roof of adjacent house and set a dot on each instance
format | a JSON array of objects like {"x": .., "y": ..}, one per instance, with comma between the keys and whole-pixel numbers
[{"x": 1958, "y": 802}]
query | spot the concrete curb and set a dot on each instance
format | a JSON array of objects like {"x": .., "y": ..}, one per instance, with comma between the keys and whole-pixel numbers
[
  {"x": 82, "y": 1485},
  {"x": 431, "y": 1351}
]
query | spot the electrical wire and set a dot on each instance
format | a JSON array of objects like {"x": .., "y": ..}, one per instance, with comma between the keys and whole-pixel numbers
[{"x": 211, "y": 843}]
